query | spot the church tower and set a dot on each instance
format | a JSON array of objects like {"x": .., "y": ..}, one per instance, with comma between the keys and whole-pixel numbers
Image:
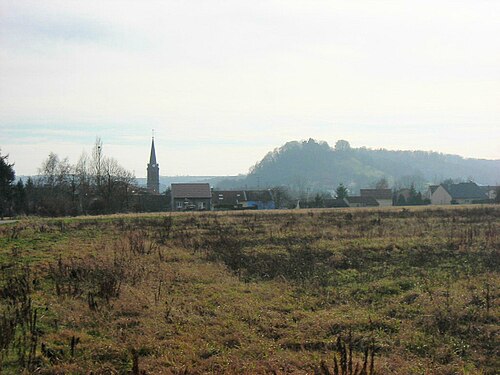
[{"x": 153, "y": 171}]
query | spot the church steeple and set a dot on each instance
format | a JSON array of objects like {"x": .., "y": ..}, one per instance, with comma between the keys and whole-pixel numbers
[
  {"x": 153, "y": 170},
  {"x": 152, "y": 157}
]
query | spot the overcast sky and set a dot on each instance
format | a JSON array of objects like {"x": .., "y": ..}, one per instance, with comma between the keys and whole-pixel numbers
[{"x": 223, "y": 82}]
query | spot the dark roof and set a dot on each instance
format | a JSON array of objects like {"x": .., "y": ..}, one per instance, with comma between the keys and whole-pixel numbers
[
  {"x": 228, "y": 197},
  {"x": 331, "y": 203},
  {"x": 152, "y": 157},
  {"x": 367, "y": 201},
  {"x": 464, "y": 190},
  {"x": 259, "y": 195},
  {"x": 488, "y": 188},
  {"x": 433, "y": 188},
  {"x": 192, "y": 190},
  {"x": 377, "y": 193}
]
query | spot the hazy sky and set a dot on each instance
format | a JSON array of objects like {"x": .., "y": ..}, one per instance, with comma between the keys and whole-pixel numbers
[{"x": 223, "y": 82}]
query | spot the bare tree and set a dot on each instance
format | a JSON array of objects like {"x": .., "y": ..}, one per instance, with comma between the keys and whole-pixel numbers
[
  {"x": 56, "y": 186},
  {"x": 97, "y": 162},
  {"x": 96, "y": 184},
  {"x": 83, "y": 176},
  {"x": 382, "y": 184}
]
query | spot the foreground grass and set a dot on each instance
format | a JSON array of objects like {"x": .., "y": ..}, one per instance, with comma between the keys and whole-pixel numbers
[{"x": 252, "y": 292}]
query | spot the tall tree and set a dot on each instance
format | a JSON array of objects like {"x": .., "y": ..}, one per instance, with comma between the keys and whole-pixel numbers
[
  {"x": 342, "y": 145},
  {"x": 55, "y": 185},
  {"x": 83, "y": 175},
  {"x": 7, "y": 176},
  {"x": 97, "y": 162},
  {"x": 116, "y": 185},
  {"x": 341, "y": 192},
  {"x": 19, "y": 197},
  {"x": 281, "y": 196}
]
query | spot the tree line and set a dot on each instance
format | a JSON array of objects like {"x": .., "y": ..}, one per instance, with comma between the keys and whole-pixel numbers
[
  {"x": 95, "y": 184},
  {"x": 314, "y": 165}
]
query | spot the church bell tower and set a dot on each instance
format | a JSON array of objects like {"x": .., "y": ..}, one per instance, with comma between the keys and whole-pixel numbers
[{"x": 153, "y": 171}]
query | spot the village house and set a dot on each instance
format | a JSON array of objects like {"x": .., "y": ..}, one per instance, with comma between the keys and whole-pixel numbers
[
  {"x": 191, "y": 196},
  {"x": 227, "y": 199},
  {"x": 259, "y": 199},
  {"x": 335, "y": 203},
  {"x": 430, "y": 191},
  {"x": 461, "y": 193},
  {"x": 243, "y": 199},
  {"x": 360, "y": 201},
  {"x": 382, "y": 196}
]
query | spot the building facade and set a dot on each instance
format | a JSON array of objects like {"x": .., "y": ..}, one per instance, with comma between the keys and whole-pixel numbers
[
  {"x": 191, "y": 197},
  {"x": 243, "y": 200},
  {"x": 461, "y": 193},
  {"x": 382, "y": 196}
]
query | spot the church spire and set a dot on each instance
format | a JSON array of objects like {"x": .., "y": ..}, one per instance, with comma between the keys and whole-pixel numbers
[
  {"x": 152, "y": 157},
  {"x": 153, "y": 170}
]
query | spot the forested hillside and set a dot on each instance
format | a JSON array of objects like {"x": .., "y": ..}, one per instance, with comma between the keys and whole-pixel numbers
[{"x": 313, "y": 165}]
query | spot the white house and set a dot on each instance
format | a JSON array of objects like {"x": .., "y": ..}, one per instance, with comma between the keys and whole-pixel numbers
[{"x": 462, "y": 193}]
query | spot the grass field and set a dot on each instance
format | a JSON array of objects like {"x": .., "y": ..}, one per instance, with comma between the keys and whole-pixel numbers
[{"x": 355, "y": 291}]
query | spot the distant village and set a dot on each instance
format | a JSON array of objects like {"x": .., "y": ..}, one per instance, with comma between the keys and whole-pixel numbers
[
  {"x": 97, "y": 184},
  {"x": 191, "y": 196}
]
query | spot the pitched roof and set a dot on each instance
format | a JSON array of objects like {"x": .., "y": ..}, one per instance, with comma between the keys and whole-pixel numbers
[
  {"x": 228, "y": 197},
  {"x": 191, "y": 190},
  {"x": 152, "y": 156},
  {"x": 368, "y": 201},
  {"x": 377, "y": 193},
  {"x": 488, "y": 188},
  {"x": 433, "y": 188},
  {"x": 335, "y": 202},
  {"x": 464, "y": 190},
  {"x": 259, "y": 195}
]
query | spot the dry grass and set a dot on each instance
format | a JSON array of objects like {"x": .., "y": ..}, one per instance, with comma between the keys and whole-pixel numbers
[{"x": 405, "y": 291}]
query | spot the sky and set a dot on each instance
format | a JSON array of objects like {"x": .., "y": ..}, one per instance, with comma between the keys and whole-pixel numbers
[{"x": 224, "y": 82}]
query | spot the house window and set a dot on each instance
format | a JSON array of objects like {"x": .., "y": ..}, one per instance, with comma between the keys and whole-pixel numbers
[
  {"x": 201, "y": 205},
  {"x": 179, "y": 204}
]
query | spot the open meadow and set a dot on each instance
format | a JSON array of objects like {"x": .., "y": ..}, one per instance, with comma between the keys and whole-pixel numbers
[{"x": 333, "y": 291}]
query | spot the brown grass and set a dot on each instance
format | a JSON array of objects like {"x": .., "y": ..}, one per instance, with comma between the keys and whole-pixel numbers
[{"x": 396, "y": 291}]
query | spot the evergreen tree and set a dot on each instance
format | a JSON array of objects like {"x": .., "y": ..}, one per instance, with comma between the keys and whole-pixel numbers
[
  {"x": 318, "y": 201},
  {"x": 415, "y": 198},
  {"x": 19, "y": 197},
  {"x": 31, "y": 200},
  {"x": 401, "y": 200},
  {"x": 7, "y": 176},
  {"x": 341, "y": 192}
]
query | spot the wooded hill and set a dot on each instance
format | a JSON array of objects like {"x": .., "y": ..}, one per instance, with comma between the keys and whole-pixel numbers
[{"x": 314, "y": 165}]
